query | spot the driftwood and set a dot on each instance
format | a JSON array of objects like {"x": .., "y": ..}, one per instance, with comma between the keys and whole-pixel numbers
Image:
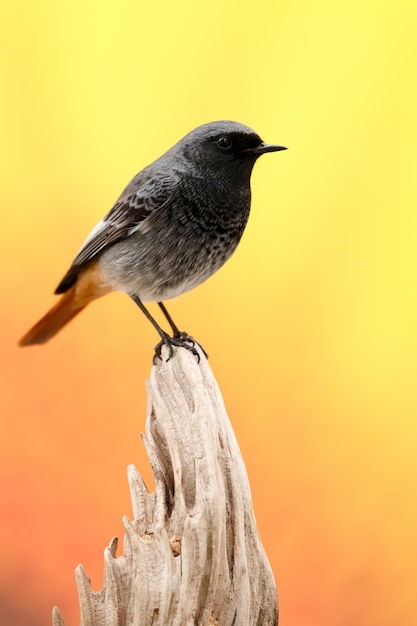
[{"x": 192, "y": 554}]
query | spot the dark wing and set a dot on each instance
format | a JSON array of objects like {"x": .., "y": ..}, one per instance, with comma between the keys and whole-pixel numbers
[{"x": 139, "y": 200}]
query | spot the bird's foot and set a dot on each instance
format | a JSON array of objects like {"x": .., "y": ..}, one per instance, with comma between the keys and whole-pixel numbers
[
  {"x": 181, "y": 340},
  {"x": 186, "y": 337}
]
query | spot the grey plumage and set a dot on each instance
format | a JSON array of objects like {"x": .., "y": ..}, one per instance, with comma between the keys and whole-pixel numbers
[{"x": 178, "y": 220}]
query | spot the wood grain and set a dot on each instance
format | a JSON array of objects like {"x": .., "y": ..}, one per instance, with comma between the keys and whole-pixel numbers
[{"x": 192, "y": 554}]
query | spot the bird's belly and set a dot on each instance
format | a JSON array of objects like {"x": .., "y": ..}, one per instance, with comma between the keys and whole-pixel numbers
[
  {"x": 158, "y": 273},
  {"x": 158, "y": 293}
]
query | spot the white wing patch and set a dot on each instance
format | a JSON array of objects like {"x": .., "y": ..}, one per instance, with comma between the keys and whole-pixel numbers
[{"x": 97, "y": 229}]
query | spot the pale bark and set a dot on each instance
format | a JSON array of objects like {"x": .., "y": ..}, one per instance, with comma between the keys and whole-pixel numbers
[{"x": 192, "y": 554}]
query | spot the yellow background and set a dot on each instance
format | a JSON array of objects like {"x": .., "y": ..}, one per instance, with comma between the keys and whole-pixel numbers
[{"x": 311, "y": 327}]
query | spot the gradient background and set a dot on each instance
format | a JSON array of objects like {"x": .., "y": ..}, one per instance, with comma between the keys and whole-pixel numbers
[{"x": 311, "y": 327}]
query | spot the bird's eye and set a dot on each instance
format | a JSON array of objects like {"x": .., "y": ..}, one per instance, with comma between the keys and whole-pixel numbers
[{"x": 224, "y": 142}]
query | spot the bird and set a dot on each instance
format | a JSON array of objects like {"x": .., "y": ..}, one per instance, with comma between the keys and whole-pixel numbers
[{"x": 174, "y": 225}]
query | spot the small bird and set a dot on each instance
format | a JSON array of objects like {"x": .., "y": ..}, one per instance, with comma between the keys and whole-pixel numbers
[{"x": 174, "y": 225}]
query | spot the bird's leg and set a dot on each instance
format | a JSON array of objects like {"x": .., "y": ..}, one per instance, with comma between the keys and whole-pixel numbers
[
  {"x": 177, "y": 333},
  {"x": 166, "y": 340}
]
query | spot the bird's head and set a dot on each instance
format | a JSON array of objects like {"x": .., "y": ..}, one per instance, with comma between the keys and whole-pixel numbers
[{"x": 226, "y": 147}]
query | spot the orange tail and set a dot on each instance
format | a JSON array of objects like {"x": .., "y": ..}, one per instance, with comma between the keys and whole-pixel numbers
[
  {"x": 88, "y": 287},
  {"x": 54, "y": 320}
]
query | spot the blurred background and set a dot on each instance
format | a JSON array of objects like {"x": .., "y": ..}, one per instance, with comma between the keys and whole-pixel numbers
[{"x": 310, "y": 328}]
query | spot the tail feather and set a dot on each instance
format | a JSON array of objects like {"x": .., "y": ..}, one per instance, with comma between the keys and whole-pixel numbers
[
  {"x": 54, "y": 320},
  {"x": 89, "y": 286}
]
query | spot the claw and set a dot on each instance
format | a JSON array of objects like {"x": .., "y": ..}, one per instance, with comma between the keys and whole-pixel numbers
[
  {"x": 183, "y": 341},
  {"x": 186, "y": 338}
]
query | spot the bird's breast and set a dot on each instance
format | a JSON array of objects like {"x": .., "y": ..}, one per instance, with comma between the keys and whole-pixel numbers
[{"x": 183, "y": 245}]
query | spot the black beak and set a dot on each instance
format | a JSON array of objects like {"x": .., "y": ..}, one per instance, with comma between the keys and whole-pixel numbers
[{"x": 266, "y": 147}]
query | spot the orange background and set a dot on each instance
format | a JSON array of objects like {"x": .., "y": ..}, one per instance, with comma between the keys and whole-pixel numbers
[{"x": 311, "y": 327}]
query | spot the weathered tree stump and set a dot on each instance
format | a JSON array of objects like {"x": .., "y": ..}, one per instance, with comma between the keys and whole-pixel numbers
[{"x": 192, "y": 554}]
